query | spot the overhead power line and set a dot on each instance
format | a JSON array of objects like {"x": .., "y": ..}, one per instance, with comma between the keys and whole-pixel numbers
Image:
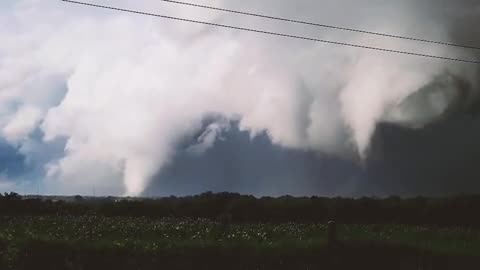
[
  {"x": 272, "y": 33},
  {"x": 321, "y": 25}
]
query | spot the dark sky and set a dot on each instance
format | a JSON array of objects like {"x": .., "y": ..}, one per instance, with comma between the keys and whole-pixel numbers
[
  {"x": 255, "y": 166},
  {"x": 439, "y": 159},
  {"x": 11, "y": 162},
  {"x": 442, "y": 158}
]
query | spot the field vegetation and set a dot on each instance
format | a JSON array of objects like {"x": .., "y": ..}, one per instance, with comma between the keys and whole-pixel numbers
[{"x": 237, "y": 232}]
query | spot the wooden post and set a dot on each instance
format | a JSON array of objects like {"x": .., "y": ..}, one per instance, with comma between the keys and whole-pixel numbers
[{"x": 332, "y": 233}]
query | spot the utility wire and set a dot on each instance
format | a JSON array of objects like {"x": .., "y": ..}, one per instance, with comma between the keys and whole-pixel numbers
[
  {"x": 321, "y": 25},
  {"x": 272, "y": 33}
]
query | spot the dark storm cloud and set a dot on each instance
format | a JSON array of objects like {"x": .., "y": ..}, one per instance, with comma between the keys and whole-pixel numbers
[
  {"x": 438, "y": 159},
  {"x": 238, "y": 163},
  {"x": 431, "y": 159}
]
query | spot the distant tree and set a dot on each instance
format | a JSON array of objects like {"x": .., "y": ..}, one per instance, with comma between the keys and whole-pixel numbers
[{"x": 12, "y": 196}]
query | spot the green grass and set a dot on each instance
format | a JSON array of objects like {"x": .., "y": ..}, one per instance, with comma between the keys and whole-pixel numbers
[
  {"x": 78, "y": 240},
  {"x": 440, "y": 240},
  {"x": 149, "y": 234}
]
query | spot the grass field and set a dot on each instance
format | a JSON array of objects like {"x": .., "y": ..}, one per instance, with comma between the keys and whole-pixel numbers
[{"x": 26, "y": 239}]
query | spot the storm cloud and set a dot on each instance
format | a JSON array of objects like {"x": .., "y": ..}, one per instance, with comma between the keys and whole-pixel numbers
[{"x": 111, "y": 98}]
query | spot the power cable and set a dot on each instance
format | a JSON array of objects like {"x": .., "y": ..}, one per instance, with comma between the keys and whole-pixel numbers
[
  {"x": 321, "y": 25},
  {"x": 273, "y": 33}
]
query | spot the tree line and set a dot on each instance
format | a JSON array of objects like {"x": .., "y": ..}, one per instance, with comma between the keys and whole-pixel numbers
[{"x": 233, "y": 207}]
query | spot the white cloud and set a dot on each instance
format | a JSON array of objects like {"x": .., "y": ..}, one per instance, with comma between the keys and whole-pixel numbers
[
  {"x": 22, "y": 123},
  {"x": 208, "y": 138}
]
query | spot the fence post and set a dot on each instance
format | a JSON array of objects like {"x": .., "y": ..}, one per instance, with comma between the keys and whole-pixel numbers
[{"x": 332, "y": 233}]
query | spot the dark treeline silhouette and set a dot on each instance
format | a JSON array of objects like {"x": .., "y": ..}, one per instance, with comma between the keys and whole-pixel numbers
[{"x": 451, "y": 211}]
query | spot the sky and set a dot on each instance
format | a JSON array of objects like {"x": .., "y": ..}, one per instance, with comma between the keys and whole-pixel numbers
[{"x": 126, "y": 104}]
